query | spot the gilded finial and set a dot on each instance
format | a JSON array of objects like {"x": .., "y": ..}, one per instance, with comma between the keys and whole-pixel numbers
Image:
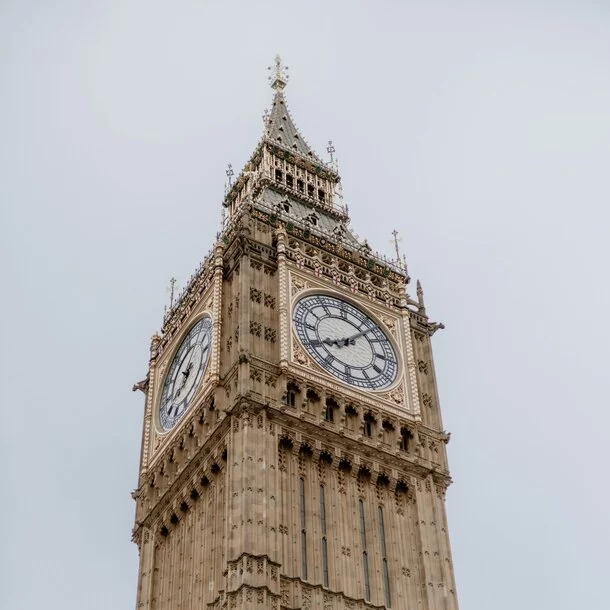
[
  {"x": 330, "y": 149},
  {"x": 279, "y": 78}
]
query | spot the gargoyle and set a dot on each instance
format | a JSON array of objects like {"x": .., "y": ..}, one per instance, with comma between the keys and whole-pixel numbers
[{"x": 141, "y": 385}]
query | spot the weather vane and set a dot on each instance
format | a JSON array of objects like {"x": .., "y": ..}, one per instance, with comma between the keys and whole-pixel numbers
[{"x": 279, "y": 78}]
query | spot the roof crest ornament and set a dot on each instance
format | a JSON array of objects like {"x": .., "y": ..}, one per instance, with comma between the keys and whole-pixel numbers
[{"x": 279, "y": 78}]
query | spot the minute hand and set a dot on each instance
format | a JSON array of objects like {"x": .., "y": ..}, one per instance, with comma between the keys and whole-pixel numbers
[{"x": 350, "y": 340}]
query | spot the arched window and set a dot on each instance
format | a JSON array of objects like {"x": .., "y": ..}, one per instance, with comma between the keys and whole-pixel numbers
[
  {"x": 405, "y": 438},
  {"x": 292, "y": 389},
  {"x": 329, "y": 412},
  {"x": 369, "y": 423}
]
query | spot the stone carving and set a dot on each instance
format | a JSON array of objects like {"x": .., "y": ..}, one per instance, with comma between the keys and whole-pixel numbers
[
  {"x": 299, "y": 356},
  {"x": 422, "y": 365},
  {"x": 328, "y": 602},
  {"x": 141, "y": 385},
  {"x": 255, "y": 328},
  {"x": 284, "y": 593},
  {"x": 397, "y": 395},
  {"x": 298, "y": 285},
  {"x": 270, "y": 334},
  {"x": 389, "y": 322},
  {"x": 155, "y": 343},
  {"x": 255, "y": 295}
]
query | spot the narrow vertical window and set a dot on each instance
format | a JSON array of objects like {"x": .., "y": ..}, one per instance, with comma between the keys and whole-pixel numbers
[
  {"x": 368, "y": 430},
  {"x": 405, "y": 437},
  {"x": 365, "y": 555},
  {"x": 329, "y": 412},
  {"x": 324, "y": 539},
  {"x": 384, "y": 561},
  {"x": 303, "y": 531},
  {"x": 291, "y": 394}
]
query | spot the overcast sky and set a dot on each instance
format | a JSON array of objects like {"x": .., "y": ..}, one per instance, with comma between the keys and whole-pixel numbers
[{"x": 479, "y": 130}]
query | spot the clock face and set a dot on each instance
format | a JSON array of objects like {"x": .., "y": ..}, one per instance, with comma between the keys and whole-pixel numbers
[
  {"x": 185, "y": 373},
  {"x": 345, "y": 342}
]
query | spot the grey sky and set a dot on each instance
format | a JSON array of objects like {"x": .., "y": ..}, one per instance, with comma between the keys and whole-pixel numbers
[{"x": 480, "y": 130}]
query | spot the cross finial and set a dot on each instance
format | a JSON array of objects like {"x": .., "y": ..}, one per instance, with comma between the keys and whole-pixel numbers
[
  {"x": 170, "y": 289},
  {"x": 230, "y": 174},
  {"x": 396, "y": 242},
  {"x": 330, "y": 149},
  {"x": 279, "y": 78}
]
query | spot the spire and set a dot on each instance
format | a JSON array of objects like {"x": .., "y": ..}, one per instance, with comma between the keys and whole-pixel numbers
[{"x": 279, "y": 126}]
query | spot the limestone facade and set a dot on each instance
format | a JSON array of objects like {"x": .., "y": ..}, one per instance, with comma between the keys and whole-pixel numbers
[{"x": 282, "y": 487}]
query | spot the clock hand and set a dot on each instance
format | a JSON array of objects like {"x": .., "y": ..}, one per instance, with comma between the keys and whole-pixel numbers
[
  {"x": 330, "y": 341},
  {"x": 351, "y": 340},
  {"x": 185, "y": 375}
]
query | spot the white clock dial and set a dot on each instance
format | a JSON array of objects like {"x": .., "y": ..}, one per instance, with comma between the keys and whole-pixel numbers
[
  {"x": 345, "y": 341},
  {"x": 185, "y": 373}
]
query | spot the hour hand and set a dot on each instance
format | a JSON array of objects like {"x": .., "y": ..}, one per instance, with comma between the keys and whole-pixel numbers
[{"x": 328, "y": 341}]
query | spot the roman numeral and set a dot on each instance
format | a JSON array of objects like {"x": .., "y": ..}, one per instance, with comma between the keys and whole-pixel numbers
[
  {"x": 307, "y": 325},
  {"x": 376, "y": 368},
  {"x": 381, "y": 356},
  {"x": 329, "y": 359}
]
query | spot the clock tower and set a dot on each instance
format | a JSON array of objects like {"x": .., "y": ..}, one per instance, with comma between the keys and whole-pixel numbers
[{"x": 293, "y": 453}]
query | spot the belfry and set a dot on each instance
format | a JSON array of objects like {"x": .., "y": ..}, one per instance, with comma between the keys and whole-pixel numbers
[{"x": 293, "y": 453}]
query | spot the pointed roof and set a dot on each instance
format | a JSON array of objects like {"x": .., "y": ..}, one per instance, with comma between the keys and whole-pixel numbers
[{"x": 279, "y": 125}]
